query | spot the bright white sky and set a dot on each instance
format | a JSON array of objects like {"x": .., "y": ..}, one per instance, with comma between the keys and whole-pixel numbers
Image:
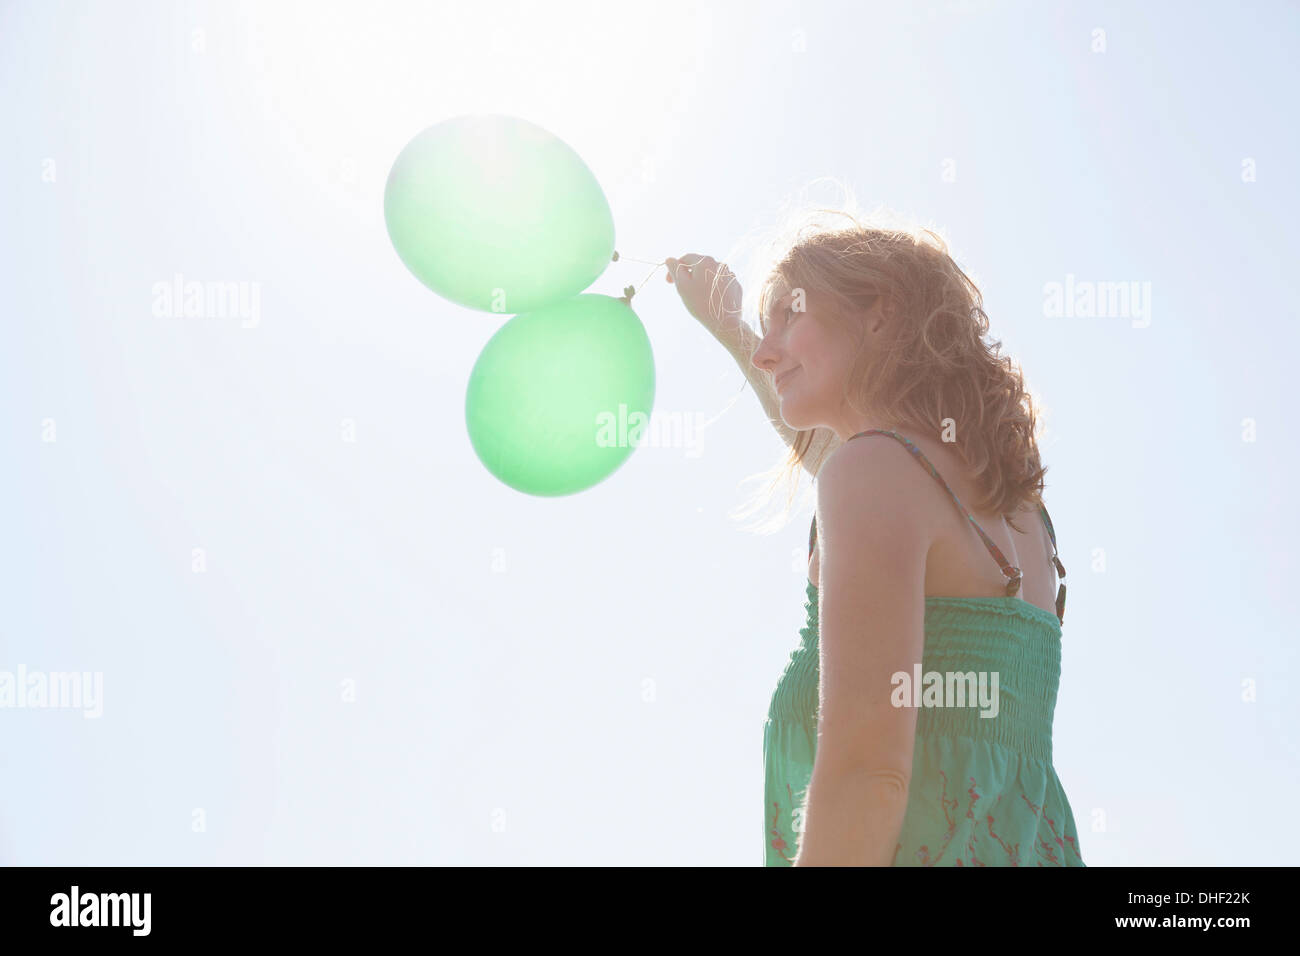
[{"x": 584, "y": 680}]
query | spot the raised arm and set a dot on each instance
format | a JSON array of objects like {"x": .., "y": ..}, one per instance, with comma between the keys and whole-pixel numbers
[{"x": 713, "y": 295}]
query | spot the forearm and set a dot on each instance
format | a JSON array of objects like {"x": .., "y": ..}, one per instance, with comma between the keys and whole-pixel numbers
[{"x": 852, "y": 817}]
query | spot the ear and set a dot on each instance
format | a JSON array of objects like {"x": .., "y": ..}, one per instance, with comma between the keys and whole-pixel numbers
[
  {"x": 890, "y": 308},
  {"x": 882, "y": 313}
]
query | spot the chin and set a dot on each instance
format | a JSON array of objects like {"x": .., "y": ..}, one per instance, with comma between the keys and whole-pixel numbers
[{"x": 796, "y": 417}]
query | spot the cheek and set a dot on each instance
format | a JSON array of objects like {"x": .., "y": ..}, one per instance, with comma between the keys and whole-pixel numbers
[
  {"x": 811, "y": 348},
  {"x": 807, "y": 343}
]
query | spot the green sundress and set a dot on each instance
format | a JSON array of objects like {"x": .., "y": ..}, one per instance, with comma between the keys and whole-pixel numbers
[{"x": 983, "y": 790}]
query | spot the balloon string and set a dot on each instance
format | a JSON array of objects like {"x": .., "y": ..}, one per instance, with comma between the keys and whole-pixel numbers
[
  {"x": 630, "y": 291},
  {"x": 647, "y": 278},
  {"x": 618, "y": 257}
]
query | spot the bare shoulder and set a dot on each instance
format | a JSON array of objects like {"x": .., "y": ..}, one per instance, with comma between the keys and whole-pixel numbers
[
  {"x": 821, "y": 446},
  {"x": 882, "y": 463},
  {"x": 871, "y": 483}
]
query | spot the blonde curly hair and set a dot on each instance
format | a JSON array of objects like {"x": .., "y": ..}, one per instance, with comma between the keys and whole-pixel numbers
[{"x": 939, "y": 370}]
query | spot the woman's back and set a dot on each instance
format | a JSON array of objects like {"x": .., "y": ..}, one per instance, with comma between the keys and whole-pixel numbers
[
  {"x": 958, "y": 564},
  {"x": 983, "y": 789}
]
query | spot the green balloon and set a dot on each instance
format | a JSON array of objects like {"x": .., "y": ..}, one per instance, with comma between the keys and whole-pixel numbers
[
  {"x": 560, "y": 397},
  {"x": 497, "y": 214}
]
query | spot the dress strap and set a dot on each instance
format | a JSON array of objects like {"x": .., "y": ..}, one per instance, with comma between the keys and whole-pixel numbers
[
  {"x": 1013, "y": 574},
  {"x": 1056, "y": 560},
  {"x": 1010, "y": 571}
]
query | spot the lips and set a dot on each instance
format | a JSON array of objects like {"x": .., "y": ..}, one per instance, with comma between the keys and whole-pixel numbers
[{"x": 785, "y": 377}]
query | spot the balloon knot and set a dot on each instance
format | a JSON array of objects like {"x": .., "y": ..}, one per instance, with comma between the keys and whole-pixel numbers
[
  {"x": 628, "y": 293},
  {"x": 615, "y": 259}
]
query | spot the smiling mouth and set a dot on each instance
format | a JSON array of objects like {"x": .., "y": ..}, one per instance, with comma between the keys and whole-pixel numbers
[{"x": 784, "y": 377}]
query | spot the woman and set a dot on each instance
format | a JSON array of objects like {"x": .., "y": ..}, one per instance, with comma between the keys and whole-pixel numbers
[{"x": 913, "y": 724}]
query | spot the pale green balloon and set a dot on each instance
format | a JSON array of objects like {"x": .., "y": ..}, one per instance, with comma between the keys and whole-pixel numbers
[
  {"x": 495, "y": 213},
  {"x": 560, "y": 397}
]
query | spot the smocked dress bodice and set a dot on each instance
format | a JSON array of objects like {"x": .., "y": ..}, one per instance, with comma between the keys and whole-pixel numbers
[{"x": 983, "y": 789}]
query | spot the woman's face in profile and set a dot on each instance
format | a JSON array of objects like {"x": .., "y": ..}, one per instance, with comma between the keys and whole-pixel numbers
[{"x": 808, "y": 357}]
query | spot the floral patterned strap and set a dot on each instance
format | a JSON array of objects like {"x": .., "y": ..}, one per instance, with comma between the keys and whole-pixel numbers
[{"x": 1013, "y": 574}]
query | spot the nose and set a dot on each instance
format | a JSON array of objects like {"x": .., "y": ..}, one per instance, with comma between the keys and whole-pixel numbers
[{"x": 765, "y": 356}]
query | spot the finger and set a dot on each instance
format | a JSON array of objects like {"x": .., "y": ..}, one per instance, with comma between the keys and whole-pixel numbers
[
  {"x": 691, "y": 262},
  {"x": 711, "y": 271},
  {"x": 707, "y": 268}
]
